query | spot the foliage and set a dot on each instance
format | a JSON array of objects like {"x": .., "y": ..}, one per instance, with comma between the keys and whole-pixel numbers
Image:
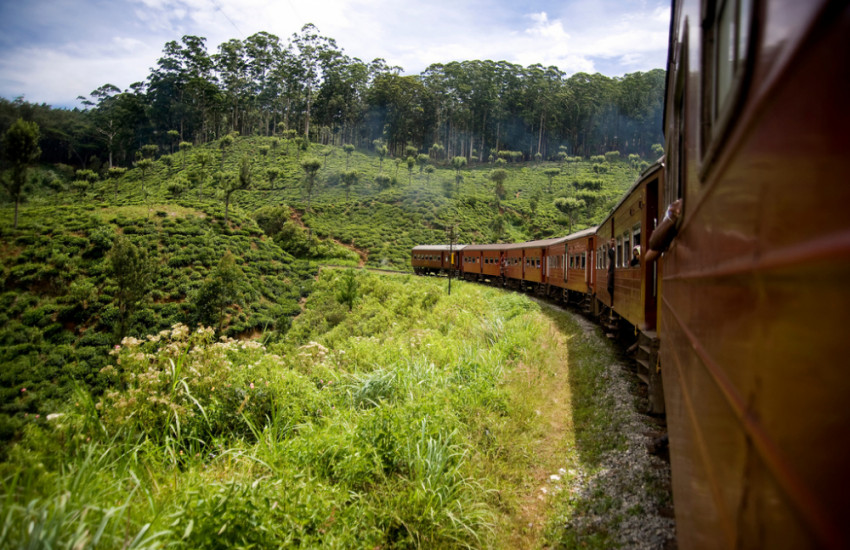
[
  {"x": 220, "y": 290},
  {"x": 19, "y": 148},
  {"x": 347, "y": 293},
  {"x": 133, "y": 273}
]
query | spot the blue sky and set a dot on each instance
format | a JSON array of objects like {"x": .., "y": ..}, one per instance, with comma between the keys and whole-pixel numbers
[{"x": 51, "y": 51}]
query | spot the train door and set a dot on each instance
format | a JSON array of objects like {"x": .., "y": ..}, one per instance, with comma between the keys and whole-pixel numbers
[{"x": 650, "y": 275}]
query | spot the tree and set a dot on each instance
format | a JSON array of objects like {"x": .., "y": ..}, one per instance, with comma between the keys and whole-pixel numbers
[
  {"x": 311, "y": 166},
  {"x": 272, "y": 174},
  {"x": 220, "y": 290},
  {"x": 133, "y": 273},
  {"x": 114, "y": 174},
  {"x": 383, "y": 181},
  {"x": 381, "y": 151},
  {"x": 348, "y": 148},
  {"x": 458, "y": 163},
  {"x": 428, "y": 171},
  {"x": 85, "y": 179},
  {"x": 150, "y": 150},
  {"x": 20, "y": 149},
  {"x": 498, "y": 176},
  {"x": 422, "y": 160},
  {"x": 204, "y": 159},
  {"x": 349, "y": 179},
  {"x": 184, "y": 146},
  {"x": 348, "y": 286},
  {"x": 144, "y": 165},
  {"x": 411, "y": 162},
  {"x": 223, "y": 145},
  {"x": 230, "y": 185},
  {"x": 173, "y": 135},
  {"x": 569, "y": 206},
  {"x": 551, "y": 173}
]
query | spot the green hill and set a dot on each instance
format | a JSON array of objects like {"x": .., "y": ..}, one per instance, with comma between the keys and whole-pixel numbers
[{"x": 62, "y": 297}]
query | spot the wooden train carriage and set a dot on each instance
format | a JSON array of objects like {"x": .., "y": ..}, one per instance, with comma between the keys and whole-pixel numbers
[
  {"x": 527, "y": 262},
  {"x": 514, "y": 269},
  {"x": 488, "y": 263},
  {"x": 630, "y": 225},
  {"x": 580, "y": 259},
  {"x": 556, "y": 271},
  {"x": 435, "y": 258},
  {"x": 756, "y": 285}
]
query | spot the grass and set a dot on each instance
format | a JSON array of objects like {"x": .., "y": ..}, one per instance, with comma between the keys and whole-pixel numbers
[{"x": 412, "y": 422}]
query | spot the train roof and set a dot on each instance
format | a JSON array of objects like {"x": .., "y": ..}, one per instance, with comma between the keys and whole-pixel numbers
[
  {"x": 438, "y": 247},
  {"x": 583, "y": 233},
  {"x": 487, "y": 246},
  {"x": 542, "y": 243}
]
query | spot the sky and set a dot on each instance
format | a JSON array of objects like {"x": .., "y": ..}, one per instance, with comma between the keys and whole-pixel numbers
[{"x": 52, "y": 51}]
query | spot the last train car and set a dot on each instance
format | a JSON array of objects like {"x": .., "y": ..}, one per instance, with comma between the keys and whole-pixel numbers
[
  {"x": 756, "y": 283},
  {"x": 435, "y": 258}
]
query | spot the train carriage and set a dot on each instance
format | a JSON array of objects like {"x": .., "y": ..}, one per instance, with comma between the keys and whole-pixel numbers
[
  {"x": 580, "y": 259},
  {"x": 489, "y": 261},
  {"x": 528, "y": 263},
  {"x": 435, "y": 258},
  {"x": 629, "y": 226},
  {"x": 755, "y": 283}
]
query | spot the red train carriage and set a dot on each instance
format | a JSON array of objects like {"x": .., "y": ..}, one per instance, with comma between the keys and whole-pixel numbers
[
  {"x": 756, "y": 285},
  {"x": 484, "y": 262},
  {"x": 526, "y": 263},
  {"x": 580, "y": 259},
  {"x": 569, "y": 266},
  {"x": 435, "y": 258},
  {"x": 629, "y": 226}
]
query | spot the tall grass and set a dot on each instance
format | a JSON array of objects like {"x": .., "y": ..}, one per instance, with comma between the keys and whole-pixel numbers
[{"x": 361, "y": 435}]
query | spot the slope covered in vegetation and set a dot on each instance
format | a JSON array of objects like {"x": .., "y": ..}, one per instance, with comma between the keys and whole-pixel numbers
[
  {"x": 66, "y": 301},
  {"x": 390, "y": 415}
]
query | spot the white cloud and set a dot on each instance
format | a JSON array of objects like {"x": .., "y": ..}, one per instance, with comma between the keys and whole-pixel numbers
[{"x": 574, "y": 35}]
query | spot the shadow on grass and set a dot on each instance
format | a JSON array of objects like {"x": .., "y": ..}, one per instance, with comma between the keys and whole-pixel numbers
[{"x": 614, "y": 493}]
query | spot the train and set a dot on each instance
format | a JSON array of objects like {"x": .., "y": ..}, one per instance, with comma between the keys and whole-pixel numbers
[{"x": 729, "y": 259}]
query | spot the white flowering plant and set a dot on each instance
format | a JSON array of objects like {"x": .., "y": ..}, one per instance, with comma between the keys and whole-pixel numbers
[{"x": 181, "y": 385}]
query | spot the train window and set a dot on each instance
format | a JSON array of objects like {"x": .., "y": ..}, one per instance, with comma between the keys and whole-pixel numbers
[
  {"x": 726, "y": 36},
  {"x": 636, "y": 235},
  {"x": 583, "y": 260},
  {"x": 619, "y": 252},
  {"x": 627, "y": 248}
]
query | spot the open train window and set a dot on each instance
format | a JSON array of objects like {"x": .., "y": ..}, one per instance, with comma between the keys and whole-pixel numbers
[
  {"x": 726, "y": 34},
  {"x": 619, "y": 251}
]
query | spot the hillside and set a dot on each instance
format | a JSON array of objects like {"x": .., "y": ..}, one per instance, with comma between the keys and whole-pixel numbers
[
  {"x": 393, "y": 416},
  {"x": 63, "y": 301}
]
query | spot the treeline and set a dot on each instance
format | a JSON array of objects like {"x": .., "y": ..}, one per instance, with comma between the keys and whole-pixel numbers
[{"x": 308, "y": 87}]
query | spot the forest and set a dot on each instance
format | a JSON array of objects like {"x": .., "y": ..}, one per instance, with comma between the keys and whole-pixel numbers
[{"x": 309, "y": 87}]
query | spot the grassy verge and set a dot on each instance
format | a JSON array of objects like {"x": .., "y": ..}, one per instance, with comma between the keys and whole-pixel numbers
[{"x": 390, "y": 415}]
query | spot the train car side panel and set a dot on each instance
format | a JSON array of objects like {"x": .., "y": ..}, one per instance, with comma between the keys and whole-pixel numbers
[{"x": 755, "y": 285}]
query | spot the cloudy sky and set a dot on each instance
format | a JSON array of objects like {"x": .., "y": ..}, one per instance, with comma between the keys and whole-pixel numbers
[{"x": 51, "y": 51}]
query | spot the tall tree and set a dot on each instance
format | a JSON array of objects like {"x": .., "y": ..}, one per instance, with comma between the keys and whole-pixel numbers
[
  {"x": 230, "y": 184},
  {"x": 133, "y": 273},
  {"x": 311, "y": 166},
  {"x": 20, "y": 150}
]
